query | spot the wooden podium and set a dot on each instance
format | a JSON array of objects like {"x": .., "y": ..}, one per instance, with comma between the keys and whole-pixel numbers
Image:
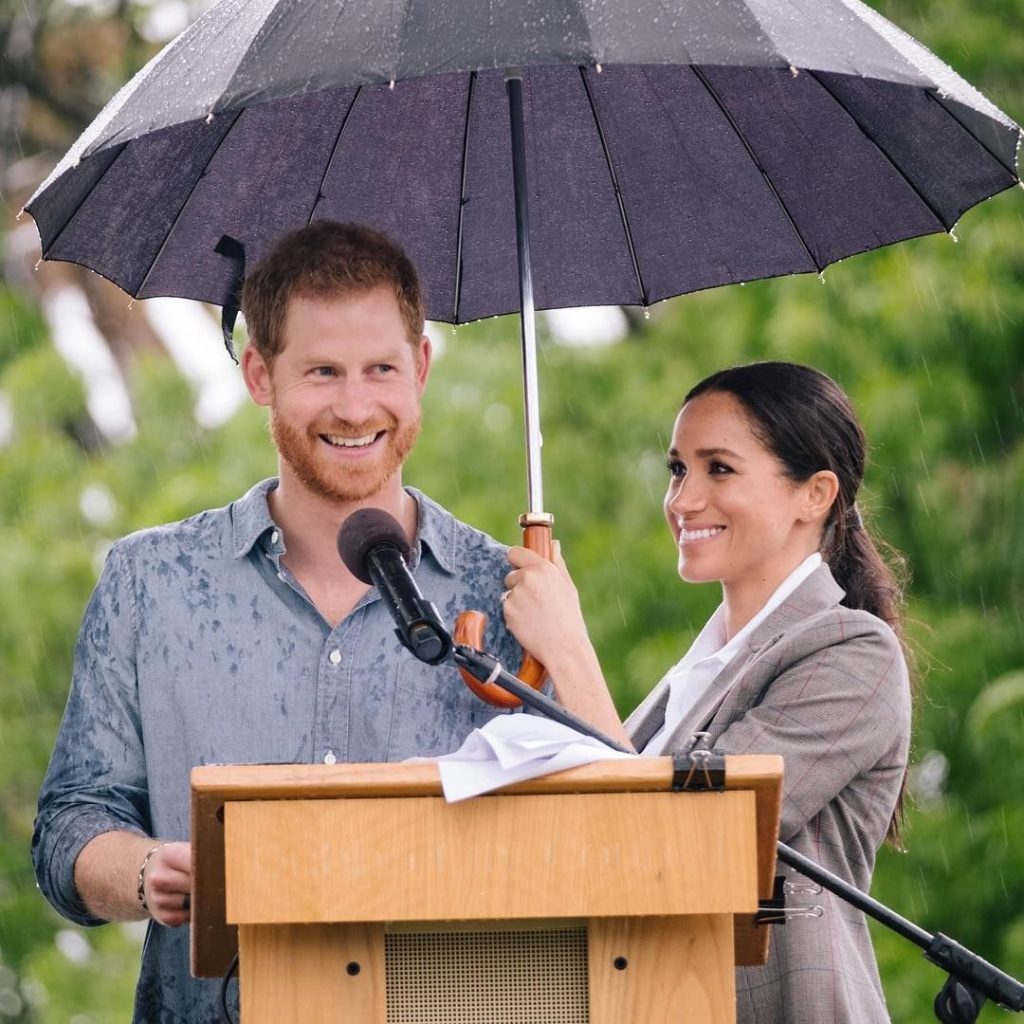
[{"x": 355, "y": 893}]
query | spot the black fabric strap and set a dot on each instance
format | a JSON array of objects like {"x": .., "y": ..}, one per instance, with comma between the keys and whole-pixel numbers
[{"x": 233, "y": 251}]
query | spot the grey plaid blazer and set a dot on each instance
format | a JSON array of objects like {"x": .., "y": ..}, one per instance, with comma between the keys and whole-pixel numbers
[{"x": 826, "y": 687}]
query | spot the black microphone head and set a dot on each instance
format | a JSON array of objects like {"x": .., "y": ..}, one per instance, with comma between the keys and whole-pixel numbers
[{"x": 365, "y": 530}]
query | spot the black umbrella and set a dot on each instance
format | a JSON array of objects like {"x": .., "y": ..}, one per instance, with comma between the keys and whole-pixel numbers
[{"x": 659, "y": 147}]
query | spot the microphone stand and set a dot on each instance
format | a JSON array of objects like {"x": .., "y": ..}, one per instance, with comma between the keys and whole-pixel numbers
[
  {"x": 487, "y": 669},
  {"x": 971, "y": 980}
]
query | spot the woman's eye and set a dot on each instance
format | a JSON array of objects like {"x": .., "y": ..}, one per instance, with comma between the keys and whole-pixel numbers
[
  {"x": 719, "y": 469},
  {"x": 676, "y": 468}
]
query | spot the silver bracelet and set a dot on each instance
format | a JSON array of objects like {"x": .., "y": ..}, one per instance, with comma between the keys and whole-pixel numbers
[{"x": 141, "y": 889}]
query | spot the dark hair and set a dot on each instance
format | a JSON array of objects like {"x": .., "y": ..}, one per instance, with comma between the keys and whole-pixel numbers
[
  {"x": 326, "y": 260},
  {"x": 806, "y": 421}
]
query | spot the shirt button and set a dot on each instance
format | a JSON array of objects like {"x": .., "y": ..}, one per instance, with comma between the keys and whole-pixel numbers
[
  {"x": 334, "y": 657},
  {"x": 329, "y": 758},
  {"x": 274, "y": 536}
]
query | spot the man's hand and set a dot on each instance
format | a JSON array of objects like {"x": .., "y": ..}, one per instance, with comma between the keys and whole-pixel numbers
[
  {"x": 107, "y": 878},
  {"x": 167, "y": 884}
]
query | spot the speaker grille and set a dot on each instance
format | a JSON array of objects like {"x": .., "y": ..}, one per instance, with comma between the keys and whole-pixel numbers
[{"x": 487, "y": 977}]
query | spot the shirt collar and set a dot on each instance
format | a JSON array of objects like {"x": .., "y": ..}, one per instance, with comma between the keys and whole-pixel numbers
[
  {"x": 711, "y": 642},
  {"x": 251, "y": 519}
]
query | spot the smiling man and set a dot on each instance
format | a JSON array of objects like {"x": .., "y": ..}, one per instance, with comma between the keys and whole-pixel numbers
[{"x": 238, "y": 635}]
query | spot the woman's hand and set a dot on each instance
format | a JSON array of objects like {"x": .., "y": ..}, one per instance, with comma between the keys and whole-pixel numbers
[
  {"x": 542, "y": 609},
  {"x": 541, "y": 605}
]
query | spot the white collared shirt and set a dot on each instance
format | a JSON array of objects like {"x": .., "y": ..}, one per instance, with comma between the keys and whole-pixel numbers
[{"x": 690, "y": 679}]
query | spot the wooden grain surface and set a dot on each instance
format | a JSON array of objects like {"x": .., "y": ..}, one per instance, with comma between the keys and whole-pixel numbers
[{"x": 214, "y": 941}]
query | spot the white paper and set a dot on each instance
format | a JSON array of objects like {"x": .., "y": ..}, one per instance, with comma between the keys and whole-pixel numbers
[{"x": 511, "y": 748}]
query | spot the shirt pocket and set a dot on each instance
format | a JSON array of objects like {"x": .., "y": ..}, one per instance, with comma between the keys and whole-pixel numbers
[{"x": 434, "y": 711}]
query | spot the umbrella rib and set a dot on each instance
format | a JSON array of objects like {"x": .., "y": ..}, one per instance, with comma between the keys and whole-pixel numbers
[
  {"x": 462, "y": 200},
  {"x": 334, "y": 151},
  {"x": 1012, "y": 170},
  {"x": 181, "y": 209},
  {"x": 895, "y": 166},
  {"x": 56, "y": 238},
  {"x": 757, "y": 163},
  {"x": 615, "y": 186}
]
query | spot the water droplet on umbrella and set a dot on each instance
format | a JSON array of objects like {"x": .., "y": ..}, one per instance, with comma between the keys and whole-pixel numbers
[
  {"x": 821, "y": 276},
  {"x": 647, "y": 313},
  {"x": 600, "y": 69},
  {"x": 209, "y": 118},
  {"x": 38, "y": 263},
  {"x": 953, "y": 235},
  {"x": 793, "y": 70}
]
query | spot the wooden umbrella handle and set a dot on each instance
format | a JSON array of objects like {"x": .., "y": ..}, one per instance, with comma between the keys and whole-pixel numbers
[{"x": 470, "y": 626}]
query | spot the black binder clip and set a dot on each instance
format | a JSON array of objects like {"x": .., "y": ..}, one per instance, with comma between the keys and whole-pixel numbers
[
  {"x": 698, "y": 768},
  {"x": 775, "y": 911}
]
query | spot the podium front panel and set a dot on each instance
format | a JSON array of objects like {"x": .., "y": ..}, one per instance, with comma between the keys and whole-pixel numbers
[{"x": 501, "y": 857}]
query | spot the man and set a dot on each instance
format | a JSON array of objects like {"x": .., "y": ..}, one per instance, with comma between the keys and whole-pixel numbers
[{"x": 238, "y": 635}]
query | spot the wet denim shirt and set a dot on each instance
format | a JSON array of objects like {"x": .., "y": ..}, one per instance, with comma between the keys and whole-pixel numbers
[{"x": 197, "y": 647}]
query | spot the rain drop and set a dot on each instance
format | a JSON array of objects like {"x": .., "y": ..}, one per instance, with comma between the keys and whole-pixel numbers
[
  {"x": 794, "y": 70},
  {"x": 821, "y": 276},
  {"x": 39, "y": 263},
  {"x": 21, "y": 213},
  {"x": 600, "y": 69},
  {"x": 391, "y": 85},
  {"x": 647, "y": 313},
  {"x": 953, "y": 234},
  {"x": 209, "y": 118}
]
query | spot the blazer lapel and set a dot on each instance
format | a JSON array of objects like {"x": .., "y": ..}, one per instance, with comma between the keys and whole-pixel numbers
[
  {"x": 735, "y": 687},
  {"x": 648, "y": 717}
]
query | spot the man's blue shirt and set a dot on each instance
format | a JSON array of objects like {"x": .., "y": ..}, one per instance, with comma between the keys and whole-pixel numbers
[{"x": 198, "y": 647}]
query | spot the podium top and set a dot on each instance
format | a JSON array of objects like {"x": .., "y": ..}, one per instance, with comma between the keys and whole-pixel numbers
[{"x": 761, "y": 773}]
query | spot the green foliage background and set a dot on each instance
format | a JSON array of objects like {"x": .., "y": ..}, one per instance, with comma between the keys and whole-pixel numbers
[{"x": 928, "y": 339}]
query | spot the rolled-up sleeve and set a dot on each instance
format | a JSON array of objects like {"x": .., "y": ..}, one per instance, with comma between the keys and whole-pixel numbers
[{"x": 96, "y": 781}]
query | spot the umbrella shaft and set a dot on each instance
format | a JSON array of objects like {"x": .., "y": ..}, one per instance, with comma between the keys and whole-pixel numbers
[{"x": 527, "y": 315}]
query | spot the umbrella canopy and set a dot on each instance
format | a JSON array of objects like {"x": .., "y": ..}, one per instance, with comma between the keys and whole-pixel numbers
[{"x": 670, "y": 146}]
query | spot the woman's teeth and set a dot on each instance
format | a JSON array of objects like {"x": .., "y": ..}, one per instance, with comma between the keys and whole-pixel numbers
[{"x": 687, "y": 535}]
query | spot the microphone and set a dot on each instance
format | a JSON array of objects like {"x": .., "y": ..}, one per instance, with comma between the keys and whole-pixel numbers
[{"x": 373, "y": 547}]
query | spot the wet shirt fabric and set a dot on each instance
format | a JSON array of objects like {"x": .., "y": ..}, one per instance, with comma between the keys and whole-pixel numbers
[{"x": 199, "y": 647}]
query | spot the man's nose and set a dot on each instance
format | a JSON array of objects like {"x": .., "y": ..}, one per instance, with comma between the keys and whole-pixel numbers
[{"x": 352, "y": 400}]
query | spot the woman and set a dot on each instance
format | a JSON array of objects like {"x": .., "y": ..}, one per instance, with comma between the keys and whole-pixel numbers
[{"x": 803, "y": 658}]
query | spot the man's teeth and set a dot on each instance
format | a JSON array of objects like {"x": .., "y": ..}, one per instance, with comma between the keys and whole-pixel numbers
[
  {"x": 351, "y": 442},
  {"x": 700, "y": 534}
]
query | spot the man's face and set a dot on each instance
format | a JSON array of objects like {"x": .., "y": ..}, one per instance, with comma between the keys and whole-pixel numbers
[{"x": 344, "y": 392}]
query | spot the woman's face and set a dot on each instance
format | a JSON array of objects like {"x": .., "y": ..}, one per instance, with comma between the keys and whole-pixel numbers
[{"x": 734, "y": 515}]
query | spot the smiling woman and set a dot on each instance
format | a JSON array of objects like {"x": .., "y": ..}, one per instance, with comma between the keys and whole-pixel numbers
[{"x": 803, "y": 658}]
